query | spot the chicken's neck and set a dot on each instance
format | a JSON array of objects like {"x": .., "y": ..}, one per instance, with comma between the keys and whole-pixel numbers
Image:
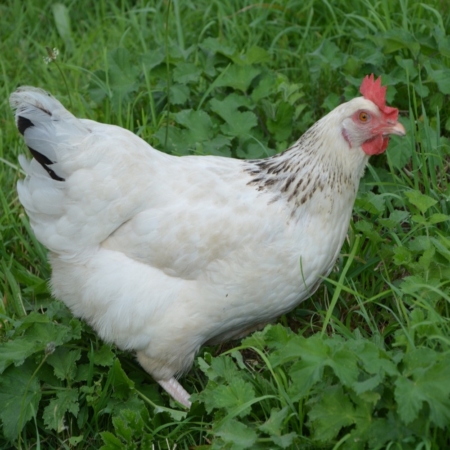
[{"x": 312, "y": 166}]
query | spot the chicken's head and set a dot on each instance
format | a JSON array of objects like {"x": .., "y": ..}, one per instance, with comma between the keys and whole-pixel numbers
[{"x": 372, "y": 121}]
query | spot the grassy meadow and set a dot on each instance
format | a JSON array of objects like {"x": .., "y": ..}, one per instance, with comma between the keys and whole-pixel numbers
[{"x": 365, "y": 362}]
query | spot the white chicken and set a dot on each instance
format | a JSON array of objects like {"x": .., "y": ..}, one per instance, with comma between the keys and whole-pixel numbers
[{"x": 162, "y": 254}]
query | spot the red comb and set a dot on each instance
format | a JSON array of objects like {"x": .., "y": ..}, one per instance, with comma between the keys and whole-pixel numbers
[{"x": 372, "y": 90}]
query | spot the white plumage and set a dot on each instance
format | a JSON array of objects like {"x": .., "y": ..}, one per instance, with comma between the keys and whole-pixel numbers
[{"x": 161, "y": 254}]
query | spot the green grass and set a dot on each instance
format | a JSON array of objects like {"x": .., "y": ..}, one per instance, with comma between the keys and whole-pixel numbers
[{"x": 367, "y": 363}]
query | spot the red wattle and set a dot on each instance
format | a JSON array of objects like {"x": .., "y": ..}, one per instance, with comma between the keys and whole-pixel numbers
[{"x": 376, "y": 145}]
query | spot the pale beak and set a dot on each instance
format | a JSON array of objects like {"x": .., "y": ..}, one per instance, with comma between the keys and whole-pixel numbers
[{"x": 394, "y": 128}]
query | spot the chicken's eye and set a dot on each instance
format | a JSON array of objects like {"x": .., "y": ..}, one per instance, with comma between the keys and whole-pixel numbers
[{"x": 364, "y": 117}]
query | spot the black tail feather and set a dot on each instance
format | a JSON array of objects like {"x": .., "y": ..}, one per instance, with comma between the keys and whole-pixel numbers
[
  {"x": 23, "y": 123},
  {"x": 45, "y": 162}
]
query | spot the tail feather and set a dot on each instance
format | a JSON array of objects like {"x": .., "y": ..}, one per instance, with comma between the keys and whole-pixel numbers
[
  {"x": 79, "y": 187},
  {"x": 38, "y": 193},
  {"x": 44, "y": 123},
  {"x": 52, "y": 135}
]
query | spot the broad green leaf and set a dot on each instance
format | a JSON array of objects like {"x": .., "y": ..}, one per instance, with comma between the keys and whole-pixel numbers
[
  {"x": 253, "y": 149},
  {"x": 83, "y": 372},
  {"x": 175, "y": 414},
  {"x": 304, "y": 376},
  {"x": 390, "y": 429},
  {"x": 363, "y": 419},
  {"x": 129, "y": 424},
  {"x": 277, "y": 336},
  {"x": 428, "y": 385},
  {"x": 398, "y": 39},
  {"x": 402, "y": 256},
  {"x": 344, "y": 364},
  {"x": 419, "y": 219},
  {"x": 421, "y": 201},
  {"x": 290, "y": 92},
  {"x": 186, "y": 73},
  {"x": 315, "y": 353},
  {"x": 285, "y": 440},
  {"x": 120, "y": 381},
  {"x": 153, "y": 58},
  {"x": 331, "y": 101},
  {"x": 367, "y": 385},
  {"x": 198, "y": 123},
  {"x": 273, "y": 425},
  {"x": 329, "y": 54},
  {"x": 395, "y": 218},
  {"x": 178, "y": 54},
  {"x": 237, "y": 123},
  {"x": 197, "y": 137},
  {"x": 53, "y": 334},
  {"x": 122, "y": 74},
  {"x": 398, "y": 216},
  {"x": 104, "y": 356},
  {"x": 399, "y": 154},
  {"x": 442, "y": 78},
  {"x": 216, "y": 46},
  {"x": 371, "y": 54},
  {"x": 258, "y": 338},
  {"x": 236, "y": 393},
  {"x": 16, "y": 351},
  {"x": 409, "y": 65},
  {"x": 372, "y": 203},
  {"x": 111, "y": 442},
  {"x": 254, "y": 55},
  {"x": 373, "y": 359},
  {"x": 421, "y": 89},
  {"x": 314, "y": 349},
  {"x": 329, "y": 412},
  {"x": 237, "y": 433},
  {"x": 75, "y": 440},
  {"x": 238, "y": 77},
  {"x": 265, "y": 87},
  {"x": 368, "y": 230},
  {"x": 369, "y": 397},
  {"x": 442, "y": 245},
  {"x": 63, "y": 362},
  {"x": 57, "y": 310},
  {"x": 179, "y": 94},
  {"x": 54, "y": 412},
  {"x": 122, "y": 429},
  {"x": 219, "y": 145},
  {"x": 176, "y": 140},
  {"x": 419, "y": 243},
  {"x": 416, "y": 285},
  {"x": 116, "y": 406},
  {"x": 443, "y": 43},
  {"x": 20, "y": 394},
  {"x": 408, "y": 400},
  {"x": 240, "y": 125},
  {"x": 438, "y": 218},
  {"x": 232, "y": 102},
  {"x": 281, "y": 124},
  {"x": 419, "y": 358},
  {"x": 39, "y": 335},
  {"x": 427, "y": 258}
]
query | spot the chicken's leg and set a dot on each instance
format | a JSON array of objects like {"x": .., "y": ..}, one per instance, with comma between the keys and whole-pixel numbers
[
  {"x": 171, "y": 386},
  {"x": 176, "y": 391}
]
